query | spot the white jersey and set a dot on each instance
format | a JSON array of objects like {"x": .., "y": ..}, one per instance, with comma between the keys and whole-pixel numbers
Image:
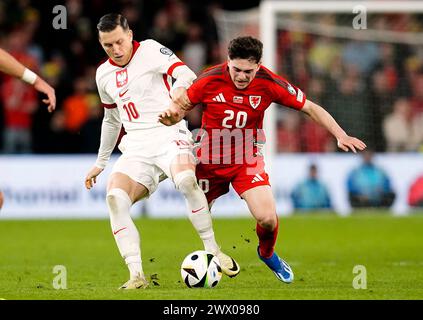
[
  {"x": 141, "y": 89},
  {"x": 135, "y": 95}
]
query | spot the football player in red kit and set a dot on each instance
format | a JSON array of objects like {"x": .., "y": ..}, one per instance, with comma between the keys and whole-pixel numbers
[{"x": 235, "y": 96}]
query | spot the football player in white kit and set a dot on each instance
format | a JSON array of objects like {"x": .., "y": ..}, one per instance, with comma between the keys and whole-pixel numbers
[{"x": 135, "y": 86}]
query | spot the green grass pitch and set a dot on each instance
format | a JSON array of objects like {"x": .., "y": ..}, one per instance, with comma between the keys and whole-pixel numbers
[{"x": 322, "y": 249}]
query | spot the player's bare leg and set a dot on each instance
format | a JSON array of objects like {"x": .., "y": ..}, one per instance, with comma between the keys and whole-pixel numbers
[
  {"x": 261, "y": 203},
  {"x": 183, "y": 172},
  {"x": 122, "y": 192}
]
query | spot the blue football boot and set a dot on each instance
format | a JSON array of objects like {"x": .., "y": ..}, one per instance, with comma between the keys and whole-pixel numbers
[{"x": 279, "y": 267}]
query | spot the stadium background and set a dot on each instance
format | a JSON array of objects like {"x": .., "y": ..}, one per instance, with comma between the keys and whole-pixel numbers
[
  {"x": 376, "y": 73},
  {"x": 361, "y": 85},
  {"x": 370, "y": 80}
]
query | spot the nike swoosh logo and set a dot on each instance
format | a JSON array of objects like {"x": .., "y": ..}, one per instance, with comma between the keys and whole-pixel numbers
[
  {"x": 121, "y": 94},
  {"x": 115, "y": 232},
  {"x": 234, "y": 266},
  {"x": 195, "y": 211}
]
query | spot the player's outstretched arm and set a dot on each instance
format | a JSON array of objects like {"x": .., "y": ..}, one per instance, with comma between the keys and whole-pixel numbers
[
  {"x": 12, "y": 67},
  {"x": 321, "y": 116},
  {"x": 91, "y": 177}
]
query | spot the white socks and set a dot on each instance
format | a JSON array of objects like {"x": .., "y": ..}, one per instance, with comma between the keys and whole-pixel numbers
[
  {"x": 199, "y": 212},
  {"x": 127, "y": 236},
  {"x": 124, "y": 230}
]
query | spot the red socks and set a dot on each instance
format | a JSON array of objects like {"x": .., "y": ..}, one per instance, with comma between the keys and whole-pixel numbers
[{"x": 267, "y": 240}]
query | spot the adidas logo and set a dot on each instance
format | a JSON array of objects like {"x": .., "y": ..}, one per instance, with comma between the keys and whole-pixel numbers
[
  {"x": 219, "y": 98},
  {"x": 257, "y": 178},
  {"x": 286, "y": 267}
]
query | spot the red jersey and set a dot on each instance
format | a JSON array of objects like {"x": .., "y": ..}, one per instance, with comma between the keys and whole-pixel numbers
[{"x": 233, "y": 118}]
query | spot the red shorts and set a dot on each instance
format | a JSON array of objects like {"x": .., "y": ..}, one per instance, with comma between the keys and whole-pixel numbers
[{"x": 215, "y": 179}]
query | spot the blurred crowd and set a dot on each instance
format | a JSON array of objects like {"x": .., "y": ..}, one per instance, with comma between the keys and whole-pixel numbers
[
  {"x": 374, "y": 90},
  {"x": 68, "y": 58}
]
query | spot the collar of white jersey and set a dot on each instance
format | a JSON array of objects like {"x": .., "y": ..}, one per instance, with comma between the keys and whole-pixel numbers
[{"x": 135, "y": 46}]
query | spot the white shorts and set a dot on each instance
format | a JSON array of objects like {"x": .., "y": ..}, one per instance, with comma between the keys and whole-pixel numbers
[{"x": 147, "y": 156}]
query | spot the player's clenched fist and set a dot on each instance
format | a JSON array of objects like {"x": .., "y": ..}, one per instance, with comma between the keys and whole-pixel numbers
[
  {"x": 91, "y": 177},
  {"x": 167, "y": 118},
  {"x": 172, "y": 115}
]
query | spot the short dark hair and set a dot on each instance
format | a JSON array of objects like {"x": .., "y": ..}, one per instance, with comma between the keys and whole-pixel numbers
[
  {"x": 245, "y": 48},
  {"x": 110, "y": 21}
]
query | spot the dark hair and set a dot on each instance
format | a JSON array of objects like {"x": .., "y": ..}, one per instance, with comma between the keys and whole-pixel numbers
[
  {"x": 245, "y": 48},
  {"x": 110, "y": 21}
]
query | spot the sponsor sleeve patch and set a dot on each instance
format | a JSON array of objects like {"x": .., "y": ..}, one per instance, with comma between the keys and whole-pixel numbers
[
  {"x": 300, "y": 96},
  {"x": 291, "y": 90},
  {"x": 166, "y": 51}
]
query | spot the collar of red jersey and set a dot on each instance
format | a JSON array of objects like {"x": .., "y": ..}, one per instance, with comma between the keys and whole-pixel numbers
[{"x": 135, "y": 46}]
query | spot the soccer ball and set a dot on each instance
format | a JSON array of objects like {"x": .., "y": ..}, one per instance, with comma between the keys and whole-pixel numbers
[{"x": 201, "y": 269}]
